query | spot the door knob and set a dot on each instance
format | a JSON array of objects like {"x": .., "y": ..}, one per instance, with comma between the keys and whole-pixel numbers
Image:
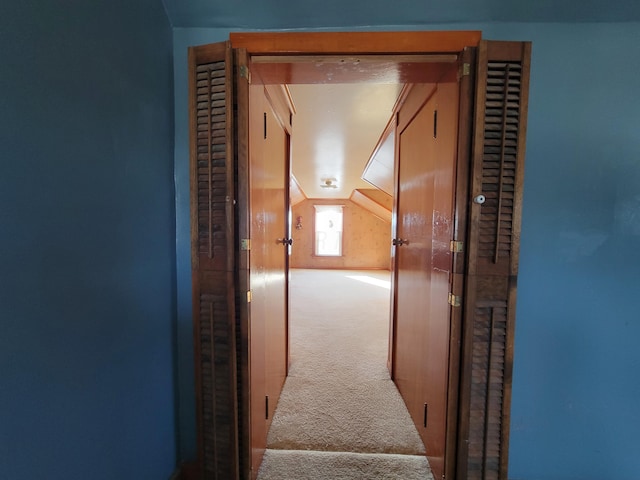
[
  {"x": 479, "y": 199},
  {"x": 400, "y": 241},
  {"x": 285, "y": 241}
]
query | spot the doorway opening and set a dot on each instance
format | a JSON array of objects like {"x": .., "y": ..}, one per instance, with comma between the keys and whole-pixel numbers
[
  {"x": 493, "y": 94},
  {"x": 343, "y": 137}
]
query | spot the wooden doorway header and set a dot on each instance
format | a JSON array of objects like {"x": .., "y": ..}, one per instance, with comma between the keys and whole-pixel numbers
[{"x": 270, "y": 43}]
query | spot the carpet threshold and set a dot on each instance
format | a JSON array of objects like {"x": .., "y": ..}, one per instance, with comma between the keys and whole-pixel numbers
[{"x": 316, "y": 465}]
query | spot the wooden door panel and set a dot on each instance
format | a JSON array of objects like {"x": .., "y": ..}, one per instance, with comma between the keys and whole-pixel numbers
[
  {"x": 497, "y": 172},
  {"x": 258, "y": 305},
  {"x": 426, "y": 164},
  {"x": 412, "y": 258},
  {"x": 415, "y": 205},
  {"x": 275, "y": 153},
  {"x": 212, "y": 165},
  {"x": 268, "y": 314},
  {"x": 435, "y": 379}
]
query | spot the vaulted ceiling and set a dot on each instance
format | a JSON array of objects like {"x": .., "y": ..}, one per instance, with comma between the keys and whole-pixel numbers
[
  {"x": 286, "y": 14},
  {"x": 336, "y": 128}
]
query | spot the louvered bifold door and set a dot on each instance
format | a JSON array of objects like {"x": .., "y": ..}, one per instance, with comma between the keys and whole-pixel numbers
[
  {"x": 212, "y": 253},
  {"x": 497, "y": 167}
]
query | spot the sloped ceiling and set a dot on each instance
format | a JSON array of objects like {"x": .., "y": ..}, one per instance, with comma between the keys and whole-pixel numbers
[
  {"x": 335, "y": 130},
  {"x": 286, "y": 14}
]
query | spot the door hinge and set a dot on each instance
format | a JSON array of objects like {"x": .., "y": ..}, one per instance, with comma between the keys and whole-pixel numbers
[
  {"x": 456, "y": 247},
  {"x": 245, "y": 244},
  {"x": 245, "y": 73},
  {"x": 465, "y": 70},
  {"x": 454, "y": 300},
  {"x": 249, "y": 296}
]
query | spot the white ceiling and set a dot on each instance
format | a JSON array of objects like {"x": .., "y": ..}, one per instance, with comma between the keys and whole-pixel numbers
[{"x": 335, "y": 130}]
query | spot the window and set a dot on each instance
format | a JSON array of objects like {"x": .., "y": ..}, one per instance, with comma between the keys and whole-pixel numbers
[{"x": 328, "y": 230}]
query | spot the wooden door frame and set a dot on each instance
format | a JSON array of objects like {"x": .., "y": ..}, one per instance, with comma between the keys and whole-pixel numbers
[{"x": 382, "y": 43}]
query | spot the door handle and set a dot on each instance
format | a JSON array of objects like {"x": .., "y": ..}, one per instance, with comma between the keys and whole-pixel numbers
[
  {"x": 400, "y": 241},
  {"x": 285, "y": 241}
]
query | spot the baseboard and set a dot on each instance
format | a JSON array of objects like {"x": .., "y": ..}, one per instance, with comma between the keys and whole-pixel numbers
[{"x": 186, "y": 471}]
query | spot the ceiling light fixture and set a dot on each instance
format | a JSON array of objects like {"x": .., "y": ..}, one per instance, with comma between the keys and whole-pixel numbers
[{"x": 328, "y": 183}]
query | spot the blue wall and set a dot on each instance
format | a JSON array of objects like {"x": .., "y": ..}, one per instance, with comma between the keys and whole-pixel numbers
[
  {"x": 87, "y": 241},
  {"x": 576, "y": 380}
]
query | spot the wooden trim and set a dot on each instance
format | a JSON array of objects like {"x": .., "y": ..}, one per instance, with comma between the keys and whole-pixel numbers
[
  {"x": 232, "y": 242},
  {"x": 288, "y": 234},
  {"x": 463, "y": 164},
  {"x": 193, "y": 180},
  {"x": 393, "y": 264},
  {"x": 464, "y": 410},
  {"x": 373, "y": 269},
  {"x": 355, "y": 42},
  {"x": 525, "y": 55},
  {"x": 362, "y": 58},
  {"x": 244, "y": 232}
]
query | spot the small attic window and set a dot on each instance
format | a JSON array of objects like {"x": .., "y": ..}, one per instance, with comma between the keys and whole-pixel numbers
[{"x": 328, "y": 230}]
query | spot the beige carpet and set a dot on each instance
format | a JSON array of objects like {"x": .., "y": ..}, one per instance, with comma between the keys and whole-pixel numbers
[{"x": 340, "y": 416}]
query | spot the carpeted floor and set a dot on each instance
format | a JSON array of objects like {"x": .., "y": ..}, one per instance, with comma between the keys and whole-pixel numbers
[{"x": 340, "y": 416}]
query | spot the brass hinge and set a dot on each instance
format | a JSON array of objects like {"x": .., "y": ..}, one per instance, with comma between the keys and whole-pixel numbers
[
  {"x": 454, "y": 300},
  {"x": 456, "y": 247},
  {"x": 249, "y": 296},
  {"x": 245, "y": 244},
  {"x": 245, "y": 73}
]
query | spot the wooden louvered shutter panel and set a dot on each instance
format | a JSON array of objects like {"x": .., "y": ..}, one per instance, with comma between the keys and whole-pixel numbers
[
  {"x": 212, "y": 251},
  {"x": 497, "y": 168}
]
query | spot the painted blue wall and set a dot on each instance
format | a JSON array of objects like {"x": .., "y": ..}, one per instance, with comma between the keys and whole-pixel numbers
[
  {"x": 87, "y": 241},
  {"x": 283, "y": 14},
  {"x": 576, "y": 381}
]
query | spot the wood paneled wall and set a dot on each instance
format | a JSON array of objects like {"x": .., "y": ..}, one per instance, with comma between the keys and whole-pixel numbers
[{"x": 366, "y": 238}]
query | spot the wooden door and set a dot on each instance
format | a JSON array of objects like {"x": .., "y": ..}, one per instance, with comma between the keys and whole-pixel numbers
[
  {"x": 412, "y": 258},
  {"x": 494, "y": 208},
  {"x": 276, "y": 211},
  {"x": 268, "y": 179},
  {"x": 212, "y": 152},
  {"x": 435, "y": 384},
  {"x": 426, "y": 160},
  {"x": 485, "y": 271},
  {"x": 258, "y": 254}
]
